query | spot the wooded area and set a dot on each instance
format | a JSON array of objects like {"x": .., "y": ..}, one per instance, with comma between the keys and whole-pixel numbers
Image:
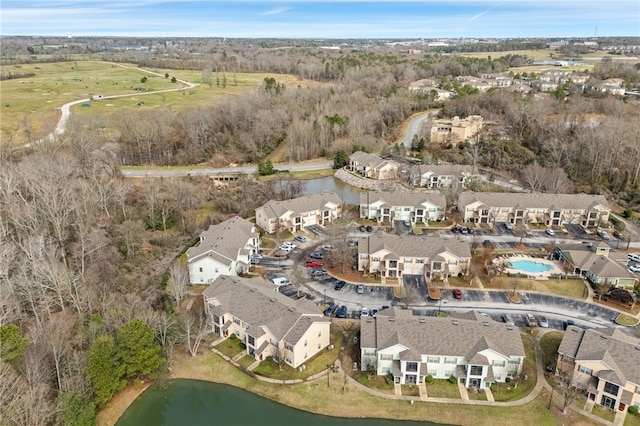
[{"x": 89, "y": 272}]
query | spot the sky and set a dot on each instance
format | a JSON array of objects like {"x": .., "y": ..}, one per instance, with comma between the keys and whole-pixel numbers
[{"x": 321, "y": 19}]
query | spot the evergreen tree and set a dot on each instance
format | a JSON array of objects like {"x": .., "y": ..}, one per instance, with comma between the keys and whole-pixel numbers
[
  {"x": 12, "y": 343},
  {"x": 137, "y": 350},
  {"x": 75, "y": 410},
  {"x": 340, "y": 160},
  {"x": 105, "y": 372}
]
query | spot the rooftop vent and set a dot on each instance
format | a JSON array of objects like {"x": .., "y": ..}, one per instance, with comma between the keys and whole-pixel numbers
[
  {"x": 486, "y": 324},
  {"x": 291, "y": 309},
  {"x": 272, "y": 299},
  {"x": 637, "y": 348},
  {"x": 509, "y": 327},
  {"x": 392, "y": 319},
  {"x": 603, "y": 337},
  {"x": 575, "y": 330},
  {"x": 422, "y": 320},
  {"x": 252, "y": 289},
  {"x": 454, "y": 322}
]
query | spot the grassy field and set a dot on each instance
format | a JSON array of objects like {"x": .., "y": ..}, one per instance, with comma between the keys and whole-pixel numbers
[
  {"x": 632, "y": 420},
  {"x": 549, "y": 344},
  {"x": 568, "y": 288},
  {"x": 33, "y": 103},
  {"x": 603, "y": 413},
  {"x": 441, "y": 388},
  {"x": 515, "y": 390}
]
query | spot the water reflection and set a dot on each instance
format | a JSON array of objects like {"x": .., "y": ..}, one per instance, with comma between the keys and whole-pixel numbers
[{"x": 348, "y": 193}]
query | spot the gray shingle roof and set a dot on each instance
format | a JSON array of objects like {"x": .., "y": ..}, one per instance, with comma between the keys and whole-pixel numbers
[
  {"x": 368, "y": 160},
  {"x": 413, "y": 246},
  {"x": 402, "y": 198},
  {"x": 444, "y": 169},
  {"x": 443, "y": 336},
  {"x": 224, "y": 241},
  {"x": 312, "y": 202},
  {"x": 255, "y": 302},
  {"x": 581, "y": 256},
  {"x": 533, "y": 200},
  {"x": 616, "y": 349}
]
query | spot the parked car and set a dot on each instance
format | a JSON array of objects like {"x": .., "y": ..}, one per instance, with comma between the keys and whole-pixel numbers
[
  {"x": 550, "y": 232},
  {"x": 455, "y": 229},
  {"x": 314, "y": 263},
  {"x": 457, "y": 294},
  {"x": 257, "y": 256},
  {"x": 286, "y": 248},
  {"x": 339, "y": 285},
  {"x": 316, "y": 255},
  {"x": 634, "y": 268},
  {"x": 362, "y": 228},
  {"x": 327, "y": 247},
  {"x": 254, "y": 260},
  {"x": 544, "y": 322},
  {"x": 369, "y": 228},
  {"x": 360, "y": 289},
  {"x": 567, "y": 323},
  {"x": 330, "y": 310},
  {"x": 407, "y": 224},
  {"x": 374, "y": 312},
  {"x": 619, "y": 235},
  {"x": 531, "y": 320},
  {"x": 353, "y": 243},
  {"x": 364, "y": 312},
  {"x": 487, "y": 243},
  {"x": 634, "y": 257},
  {"x": 603, "y": 234},
  {"x": 301, "y": 239},
  {"x": 508, "y": 320},
  {"x": 509, "y": 226},
  {"x": 342, "y": 312},
  {"x": 318, "y": 273}
]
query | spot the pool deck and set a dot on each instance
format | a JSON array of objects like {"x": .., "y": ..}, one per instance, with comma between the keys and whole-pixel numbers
[{"x": 555, "y": 268}]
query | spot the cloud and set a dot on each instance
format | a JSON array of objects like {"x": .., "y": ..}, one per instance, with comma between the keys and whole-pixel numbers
[
  {"x": 473, "y": 18},
  {"x": 275, "y": 11}
]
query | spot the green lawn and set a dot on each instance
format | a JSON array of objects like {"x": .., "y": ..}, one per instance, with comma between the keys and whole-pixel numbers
[
  {"x": 519, "y": 388},
  {"x": 318, "y": 363},
  {"x": 380, "y": 383},
  {"x": 246, "y": 361},
  {"x": 410, "y": 390},
  {"x": 441, "y": 388},
  {"x": 477, "y": 396},
  {"x": 632, "y": 420},
  {"x": 231, "y": 346},
  {"x": 549, "y": 344},
  {"x": 603, "y": 413},
  {"x": 624, "y": 319},
  {"x": 567, "y": 288}
]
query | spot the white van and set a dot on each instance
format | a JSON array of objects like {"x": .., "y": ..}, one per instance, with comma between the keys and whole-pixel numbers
[{"x": 280, "y": 281}]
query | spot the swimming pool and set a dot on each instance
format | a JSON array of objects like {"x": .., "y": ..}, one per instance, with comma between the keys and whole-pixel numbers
[{"x": 530, "y": 266}]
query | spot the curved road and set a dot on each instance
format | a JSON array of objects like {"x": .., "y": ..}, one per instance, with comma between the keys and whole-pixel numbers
[
  {"x": 414, "y": 125},
  {"x": 66, "y": 108}
]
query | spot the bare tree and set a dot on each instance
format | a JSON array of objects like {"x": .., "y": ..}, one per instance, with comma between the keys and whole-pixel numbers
[
  {"x": 195, "y": 327},
  {"x": 178, "y": 279},
  {"x": 569, "y": 392}
]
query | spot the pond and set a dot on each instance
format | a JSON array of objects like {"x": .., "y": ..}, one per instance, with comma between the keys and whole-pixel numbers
[
  {"x": 195, "y": 402},
  {"x": 348, "y": 193}
]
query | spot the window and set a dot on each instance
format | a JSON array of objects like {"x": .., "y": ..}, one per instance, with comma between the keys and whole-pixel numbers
[
  {"x": 288, "y": 347},
  {"x": 437, "y": 266},
  {"x": 499, "y": 363},
  {"x": 433, "y": 359},
  {"x": 305, "y": 355},
  {"x": 412, "y": 367},
  {"x": 236, "y": 320},
  {"x": 419, "y": 260},
  {"x": 556, "y": 214},
  {"x": 251, "y": 340},
  {"x": 305, "y": 343},
  {"x": 393, "y": 264},
  {"x": 498, "y": 377},
  {"x": 449, "y": 373},
  {"x": 319, "y": 333},
  {"x": 485, "y": 212},
  {"x": 407, "y": 209},
  {"x": 585, "y": 370},
  {"x": 375, "y": 259},
  {"x": 419, "y": 212},
  {"x": 451, "y": 360},
  {"x": 216, "y": 270},
  {"x": 386, "y": 357},
  {"x": 432, "y": 372},
  {"x": 514, "y": 361},
  {"x": 475, "y": 370},
  {"x": 611, "y": 388},
  {"x": 318, "y": 346},
  {"x": 200, "y": 269}
]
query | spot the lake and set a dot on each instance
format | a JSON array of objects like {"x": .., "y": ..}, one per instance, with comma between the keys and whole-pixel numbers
[{"x": 194, "y": 402}]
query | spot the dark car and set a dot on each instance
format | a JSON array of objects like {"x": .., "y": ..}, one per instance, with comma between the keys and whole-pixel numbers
[
  {"x": 330, "y": 310},
  {"x": 455, "y": 229},
  {"x": 362, "y": 228},
  {"x": 567, "y": 323},
  {"x": 457, "y": 294},
  {"x": 342, "y": 312},
  {"x": 339, "y": 285},
  {"x": 369, "y": 228}
]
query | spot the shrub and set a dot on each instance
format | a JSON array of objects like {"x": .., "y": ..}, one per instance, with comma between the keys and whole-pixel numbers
[
  {"x": 429, "y": 379},
  {"x": 453, "y": 380},
  {"x": 507, "y": 380},
  {"x": 617, "y": 223},
  {"x": 633, "y": 410}
]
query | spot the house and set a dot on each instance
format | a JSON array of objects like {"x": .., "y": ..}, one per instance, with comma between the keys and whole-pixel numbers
[
  {"x": 455, "y": 130},
  {"x": 474, "y": 349},
  {"x": 393, "y": 255},
  {"x": 604, "y": 363},
  {"x": 267, "y": 322},
  {"x": 372, "y": 166},
  {"x": 437, "y": 176},
  {"x": 522, "y": 208},
  {"x": 478, "y": 83},
  {"x": 223, "y": 249},
  {"x": 298, "y": 213},
  {"x": 592, "y": 262},
  {"x": 414, "y": 206},
  {"x": 613, "y": 86}
]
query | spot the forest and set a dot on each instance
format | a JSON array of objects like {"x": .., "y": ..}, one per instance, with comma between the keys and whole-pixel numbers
[{"x": 92, "y": 269}]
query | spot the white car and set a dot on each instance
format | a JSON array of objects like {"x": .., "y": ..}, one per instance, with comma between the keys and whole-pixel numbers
[
  {"x": 364, "y": 312},
  {"x": 508, "y": 225},
  {"x": 327, "y": 247},
  {"x": 635, "y": 257},
  {"x": 634, "y": 268},
  {"x": 550, "y": 232}
]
